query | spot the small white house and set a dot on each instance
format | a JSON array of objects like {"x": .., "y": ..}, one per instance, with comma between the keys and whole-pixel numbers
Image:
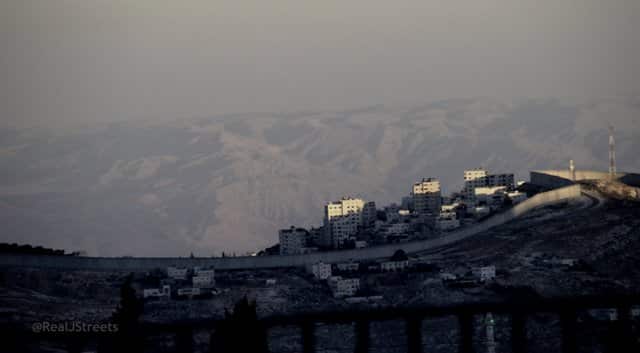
[
  {"x": 449, "y": 207},
  {"x": 562, "y": 262},
  {"x": 396, "y": 229},
  {"x": 606, "y": 314},
  {"x": 446, "y": 276},
  {"x": 447, "y": 223},
  {"x": 348, "y": 266},
  {"x": 361, "y": 244},
  {"x": 203, "y": 281},
  {"x": 176, "y": 273},
  {"x": 343, "y": 287},
  {"x": 164, "y": 292},
  {"x": 271, "y": 282},
  {"x": 517, "y": 196},
  {"x": 485, "y": 273},
  {"x": 568, "y": 262},
  {"x": 188, "y": 292},
  {"x": 394, "y": 265},
  {"x": 203, "y": 278},
  {"x": 481, "y": 211},
  {"x": 204, "y": 272},
  {"x": 321, "y": 270}
]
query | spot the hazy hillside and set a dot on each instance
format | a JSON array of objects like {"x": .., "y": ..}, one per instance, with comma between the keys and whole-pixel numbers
[{"x": 227, "y": 183}]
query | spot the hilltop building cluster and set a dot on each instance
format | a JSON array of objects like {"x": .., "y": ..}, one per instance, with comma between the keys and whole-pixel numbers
[
  {"x": 355, "y": 223},
  {"x": 188, "y": 283},
  {"x": 344, "y": 279}
]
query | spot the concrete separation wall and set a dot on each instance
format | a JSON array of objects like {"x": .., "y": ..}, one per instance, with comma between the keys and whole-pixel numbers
[
  {"x": 255, "y": 262},
  {"x": 550, "y": 179},
  {"x": 560, "y": 178}
]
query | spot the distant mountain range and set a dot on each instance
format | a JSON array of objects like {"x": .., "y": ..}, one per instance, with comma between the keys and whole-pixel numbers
[{"x": 228, "y": 183}]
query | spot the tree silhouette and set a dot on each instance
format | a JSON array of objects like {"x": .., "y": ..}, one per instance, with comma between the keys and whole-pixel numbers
[
  {"x": 240, "y": 331},
  {"x": 621, "y": 338},
  {"x": 399, "y": 255},
  {"x": 128, "y": 338},
  {"x": 507, "y": 202}
]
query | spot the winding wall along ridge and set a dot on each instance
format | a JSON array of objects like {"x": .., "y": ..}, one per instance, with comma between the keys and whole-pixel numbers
[{"x": 257, "y": 262}]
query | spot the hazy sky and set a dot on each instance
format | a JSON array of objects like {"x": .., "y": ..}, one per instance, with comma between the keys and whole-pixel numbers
[{"x": 91, "y": 60}]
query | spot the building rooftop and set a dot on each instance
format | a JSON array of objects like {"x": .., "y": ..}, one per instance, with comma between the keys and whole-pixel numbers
[
  {"x": 427, "y": 180},
  {"x": 293, "y": 229}
]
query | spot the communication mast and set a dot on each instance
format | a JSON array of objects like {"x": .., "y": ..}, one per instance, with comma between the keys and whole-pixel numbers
[
  {"x": 612, "y": 154},
  {"x": 572, "y": 170}
]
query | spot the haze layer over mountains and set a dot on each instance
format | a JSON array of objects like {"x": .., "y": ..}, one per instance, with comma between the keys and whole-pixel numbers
[{"x": 228, "y": 183}]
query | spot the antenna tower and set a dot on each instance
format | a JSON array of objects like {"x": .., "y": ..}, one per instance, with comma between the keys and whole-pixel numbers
[{"x": 612, "y": 153}]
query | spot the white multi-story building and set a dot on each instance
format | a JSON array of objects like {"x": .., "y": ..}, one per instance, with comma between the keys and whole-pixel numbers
[
  {"x": 176, "y": 273},
  {"x": 473, "y": 174},
  {"x": 343, "y": 219},
  {"x": 369, "y": 214},
  {"x": 293, "y": 240},
  {"x": 407, "y": 203},
  {"x": 476, "y": 178},
  {"x": 343, "y": 287},
  {"x": 165, "y": 292},
  {"x": 505, "y": 179},
  {"x": 485, "y": 273},
  {"x": 473, "y": 178},
  {"x": 427, "y": 197},
  {"x": 321, "y": 270},
  {"x": 392, "y": 213},
  {"x": 317, "y": 237},
  {"x": 394, "y": 265}
]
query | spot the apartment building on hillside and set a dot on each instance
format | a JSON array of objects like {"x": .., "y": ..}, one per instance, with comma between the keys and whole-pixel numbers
[{"x": 427, "y": 197}]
